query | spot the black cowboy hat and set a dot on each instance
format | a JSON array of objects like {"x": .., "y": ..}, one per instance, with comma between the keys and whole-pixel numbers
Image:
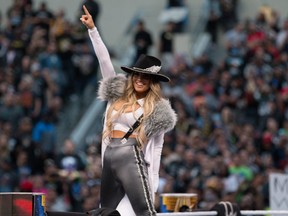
[{"x": 148, "y": 65}]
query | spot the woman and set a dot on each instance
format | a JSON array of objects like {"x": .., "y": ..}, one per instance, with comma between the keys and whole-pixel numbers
[{"x": 130, "y": 166}]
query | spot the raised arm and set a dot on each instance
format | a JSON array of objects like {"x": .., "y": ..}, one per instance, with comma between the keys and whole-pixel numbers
[{"x": 106, "y": 67}]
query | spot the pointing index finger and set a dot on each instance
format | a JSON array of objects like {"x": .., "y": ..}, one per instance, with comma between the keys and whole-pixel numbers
[{"x": 85, "y": 10}]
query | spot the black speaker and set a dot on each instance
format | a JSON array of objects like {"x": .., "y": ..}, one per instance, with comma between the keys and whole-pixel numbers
[
  {"x": 50, "y": 213},
  {"x": 103, "y": 212}
]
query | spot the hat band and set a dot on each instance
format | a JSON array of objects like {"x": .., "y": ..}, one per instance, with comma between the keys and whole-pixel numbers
[{"x": 152, "y": 69}]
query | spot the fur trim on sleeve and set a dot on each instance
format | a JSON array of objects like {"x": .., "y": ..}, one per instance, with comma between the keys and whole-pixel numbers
[
  {"x": 163, "y": 119},
  {"x": 111, "y": 88}
]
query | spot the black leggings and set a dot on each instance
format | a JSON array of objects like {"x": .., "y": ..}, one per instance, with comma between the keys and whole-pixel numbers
[{"x": 125, "y": 171}]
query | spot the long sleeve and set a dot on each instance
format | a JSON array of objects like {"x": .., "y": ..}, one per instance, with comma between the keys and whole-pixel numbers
[
  {"x": 152, "y": 154},
  {"x": 106, "y": 67}
]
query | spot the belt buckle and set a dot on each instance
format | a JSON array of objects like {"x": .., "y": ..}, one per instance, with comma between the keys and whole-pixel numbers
[{"x": 124, "y": 140}]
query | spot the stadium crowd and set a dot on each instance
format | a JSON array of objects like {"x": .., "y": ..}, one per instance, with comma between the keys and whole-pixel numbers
[{"x": 231, "y": 134}]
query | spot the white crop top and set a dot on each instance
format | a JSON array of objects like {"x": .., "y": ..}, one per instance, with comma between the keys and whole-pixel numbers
[{"x": 125, "y": 121}]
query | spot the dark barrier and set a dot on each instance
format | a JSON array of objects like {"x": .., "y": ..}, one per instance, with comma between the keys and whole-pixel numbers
[
  {"x": 65, "y": 214},
  {"x": 95, "y": 212}
]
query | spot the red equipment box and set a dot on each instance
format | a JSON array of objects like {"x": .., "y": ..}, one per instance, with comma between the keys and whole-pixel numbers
[{"x": 22, "y": 204}]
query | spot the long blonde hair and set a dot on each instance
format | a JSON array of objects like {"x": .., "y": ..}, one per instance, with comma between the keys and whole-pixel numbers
[{"x": 130, "y": 100}]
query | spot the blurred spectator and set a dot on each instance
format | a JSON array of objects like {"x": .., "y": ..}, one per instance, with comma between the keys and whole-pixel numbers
[
  {"x": 58, "y": 24},
  {"x": 71, "y": 167},
  {"x": 38, "y": 182},
  {"x": 14, "y": 14},
  {"x": 94, "y": 187},
  {"x": 282, "y": 38},
  {"x": 10, "y": 110},
  {"x": 55, "y": 200},
  {"x": 240, "y": 168},
  {"x": 65, "y": 40},
  {"x": 39, "y": 90},
  {"x": 229, "y": 13},
  {"x": 235, "y": 38},
  {"x": 265, "y": 14},
  {"x": 8, "y": 180},
  {"x": 43, "y": 19},
  {"x": 166, "y": 44},
  {"x": 255, "y": 36},
  {"x": 204, "y": 121},
  {"x": 4, "y": 44},
  {"x": 212, "y": 12},
  {"x": 50, "y": 62},
  {"x": 26, "y": 186},
  {"x": 69, "y": 159},
  {"x": 22, "y": 141},
  {"x": 23, "y": 169},
  {"x": 93, "y": 163},
  {"x": 85, "y": 68},
  {"x": 4, "y": 146},
  {"x": 44, "y": 135},
  {"x": 28, "y": 18},
  {"x": 142, "y": 40},
  {"x": 27, "y": 98},
  {"x": 50, "y": 172},
  {"x": 89, "y": 204}
]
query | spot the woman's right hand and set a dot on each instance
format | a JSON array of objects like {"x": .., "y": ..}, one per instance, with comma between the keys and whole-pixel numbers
[{"x": 87, "y": 19}]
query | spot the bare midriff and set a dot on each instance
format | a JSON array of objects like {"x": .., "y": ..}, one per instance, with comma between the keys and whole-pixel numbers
[{"x": 120, "y": 134}]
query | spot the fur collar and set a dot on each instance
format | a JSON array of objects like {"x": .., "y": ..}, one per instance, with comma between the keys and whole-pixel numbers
[
  {"x": 163, "y": 118},
  {"x": 111, "y": 88}
]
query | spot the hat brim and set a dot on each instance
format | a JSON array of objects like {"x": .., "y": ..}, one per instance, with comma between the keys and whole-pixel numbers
[{"x": 159, "y": 77}]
